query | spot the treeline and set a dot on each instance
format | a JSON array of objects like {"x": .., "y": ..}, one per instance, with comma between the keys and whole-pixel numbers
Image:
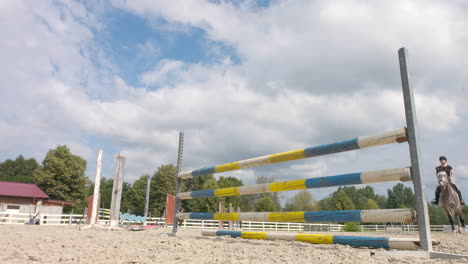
[{"x": 62, "y": 176}]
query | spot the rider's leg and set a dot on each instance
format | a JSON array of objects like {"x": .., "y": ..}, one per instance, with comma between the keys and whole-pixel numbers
[
  {"x": 437, "y": 194},
  {"x": 459, "y": 193}
]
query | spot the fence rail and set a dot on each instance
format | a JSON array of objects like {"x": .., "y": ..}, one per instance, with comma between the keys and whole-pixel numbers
[{"x": 76, "y": 219}]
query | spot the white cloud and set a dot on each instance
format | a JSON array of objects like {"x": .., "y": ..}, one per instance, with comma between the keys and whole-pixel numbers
[
  {"x": 310, "y": 72},
  {"x": 149, "y": 49}
]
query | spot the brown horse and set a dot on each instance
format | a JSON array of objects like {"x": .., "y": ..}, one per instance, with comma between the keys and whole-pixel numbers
[{"x": 450, "y": 201}]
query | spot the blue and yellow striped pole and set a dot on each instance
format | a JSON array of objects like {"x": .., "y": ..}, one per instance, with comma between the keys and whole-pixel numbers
[
  {"x": 363, "y": 216},
  {"x": 401, "y": 174},
  {"x": 354, "y": 241},
  {"x": 347, "y": 145}
]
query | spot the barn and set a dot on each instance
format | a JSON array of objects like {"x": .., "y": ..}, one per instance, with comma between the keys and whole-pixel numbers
[{"x": 28, "y": 199}]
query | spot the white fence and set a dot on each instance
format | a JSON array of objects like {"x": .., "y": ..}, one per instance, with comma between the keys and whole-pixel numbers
[{"x": 75, "y": 219}]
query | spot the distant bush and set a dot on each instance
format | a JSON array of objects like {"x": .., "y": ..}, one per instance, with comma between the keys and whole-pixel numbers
[{"x": 351, "y": 227}]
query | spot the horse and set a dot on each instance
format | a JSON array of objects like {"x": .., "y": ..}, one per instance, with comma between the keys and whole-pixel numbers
[{"x": 450, "y": 201}]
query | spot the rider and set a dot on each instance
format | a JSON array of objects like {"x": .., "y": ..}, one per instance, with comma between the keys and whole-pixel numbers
[{"x": 448, "y": 169}]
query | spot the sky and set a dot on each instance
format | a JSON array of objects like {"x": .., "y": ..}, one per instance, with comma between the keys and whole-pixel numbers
[{"x": 240, "y": 78}]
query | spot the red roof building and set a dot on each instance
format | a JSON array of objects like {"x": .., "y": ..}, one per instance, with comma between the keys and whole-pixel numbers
[
  {"x": 27, "y": 200},
  {"x": 18, "y": 189}
]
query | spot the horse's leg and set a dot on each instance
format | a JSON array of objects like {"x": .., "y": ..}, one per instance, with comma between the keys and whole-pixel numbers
[
  {"x": 461, "y": 222},
  {"x": 449, "y": 215}
]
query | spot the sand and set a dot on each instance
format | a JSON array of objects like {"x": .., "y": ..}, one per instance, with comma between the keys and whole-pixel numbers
[{"x": 69, "y": 244}]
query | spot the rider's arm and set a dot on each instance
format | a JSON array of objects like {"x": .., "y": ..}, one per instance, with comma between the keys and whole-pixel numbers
[{"x": 452, "y": 174}]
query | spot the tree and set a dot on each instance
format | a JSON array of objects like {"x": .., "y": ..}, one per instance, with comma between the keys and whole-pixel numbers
[
  {"x": 326, "y": 204},
  {"x": 437, "y": 215},
  {"x": 62, "y": 175},
  {"x": 265, "y": 180},
  {"x": 302, "y": 201},
  {"x": 79, "y": 207},
  {"x": 400, "y": 197},
  {"x": 267, "y": 204},
  {"x": 134, "y": 200},
  {"x": 106, "y": 192},
  {"x": 18, "y": 170},
  {"x": 371, "y": 204},
  {"x": 162, "y": 183},
  {"x": 360, "y": 196},
  {"x": 126, "y": 187},
  {"x": 381, "y": 201},
  {"x": 206, "y": 182},
  {"x": 228, "y": 182},
  {"x": 341, "y": 201}
]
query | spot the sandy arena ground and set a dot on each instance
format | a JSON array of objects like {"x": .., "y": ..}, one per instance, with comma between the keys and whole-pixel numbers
[{"x": 69, "y": 244}]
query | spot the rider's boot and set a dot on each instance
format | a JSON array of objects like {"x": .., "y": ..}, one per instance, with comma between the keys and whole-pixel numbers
[
  {"x": 437, "y": 195},
  {"x": 459, "y": 195}
]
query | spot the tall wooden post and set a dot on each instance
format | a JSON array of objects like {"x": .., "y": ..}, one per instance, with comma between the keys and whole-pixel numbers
[{"x": 97, "y": 186}]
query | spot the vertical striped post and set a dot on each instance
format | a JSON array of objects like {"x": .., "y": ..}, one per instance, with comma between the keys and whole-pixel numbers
[
  {"x": 416, "y": 170},
  {"x": 179, "y": 167},
  {"x": 148, "y": 183},
  {"x": 221, "y": 210},
  {"x": 231, "y": 223},
  {"x": 117, "y": 190}
]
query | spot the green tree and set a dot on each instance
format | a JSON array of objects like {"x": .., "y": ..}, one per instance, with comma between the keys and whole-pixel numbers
[
  {"x": 267, "y": 204},
  {"x": 206, "y": 182},
  {"x": 18, "y": 170},
  {"x": 360, "y": 196},
  {"x": 79, "y": 207},
  {"x": 341, "y": 201},
  {"x": 227, "y": 182},
  {"x": 400, "y": 197},
  {"x": 134, "y": 199},
  {"x": 124, "y": 202},
  {"x": 162, "y": 183},
  {"x": 276, "y": 196},
  {"x": 371, "y": 204},
  {"x": 62, "y": 175},
  {"x": 381, "y": 201},
  {"x": 302, "y": 201},
  {"x": 106, "y": 192},
  {"x": 437, "y": 215},
  {"x": 326, "y": 204}
]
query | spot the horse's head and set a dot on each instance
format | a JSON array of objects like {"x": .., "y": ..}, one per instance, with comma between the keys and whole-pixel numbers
[{"x": 442, "y": 178}]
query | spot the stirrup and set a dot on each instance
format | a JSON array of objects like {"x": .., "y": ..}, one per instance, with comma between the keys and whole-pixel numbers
[
  {"x": 434, "y": 201},
  {"x": 462, "y": 202}
]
